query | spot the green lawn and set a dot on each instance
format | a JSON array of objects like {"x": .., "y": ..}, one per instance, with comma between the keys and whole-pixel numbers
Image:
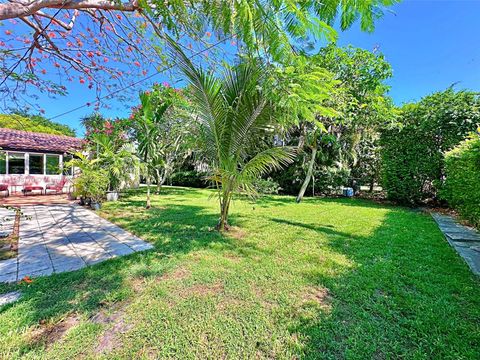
[{"x": 328, "y": 279}]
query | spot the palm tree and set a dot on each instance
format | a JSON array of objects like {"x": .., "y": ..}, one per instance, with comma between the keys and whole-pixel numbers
[
  {"x": 232, "y": 111},
  {"x": 118, "y": 159},
  {"x": 147, "y": 133}
]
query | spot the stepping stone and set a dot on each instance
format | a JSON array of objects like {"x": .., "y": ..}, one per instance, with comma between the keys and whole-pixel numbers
[
  {"x": 462, "y": 236},
  {"x": 8, "y": 266},
  {"x": 464, "y": 240},
  {"x": 10, "y": 297}
]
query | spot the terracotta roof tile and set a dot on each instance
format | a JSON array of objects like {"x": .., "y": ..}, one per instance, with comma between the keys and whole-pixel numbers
[{"x": 32, "y": 141}]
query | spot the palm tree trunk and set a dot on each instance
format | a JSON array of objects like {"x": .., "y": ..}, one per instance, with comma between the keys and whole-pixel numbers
[
  {"x": 148, "y": 193},
  {"x": 224, "y": 209},
  {"x": 309, "y": 175}
]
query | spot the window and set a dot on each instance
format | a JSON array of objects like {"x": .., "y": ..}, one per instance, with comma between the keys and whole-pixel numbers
[
  {"x": 53, "y": 165},
  {"x": 36, "y": 164},
  {"x": 3, "y": 163},
  {"x": 16, "y": 163}
]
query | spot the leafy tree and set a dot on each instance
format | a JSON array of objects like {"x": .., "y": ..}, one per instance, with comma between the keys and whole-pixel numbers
[
  {"x": 354, "y": 104},
  {"x": 34, "y": 123},
  {"x": 413, "y": 151},
  {"x": 106, "y": 45},
  {"x": 147, "y": 129},
  {"x": 232, "y": 113},
  {"x": 174, "y": 134}
]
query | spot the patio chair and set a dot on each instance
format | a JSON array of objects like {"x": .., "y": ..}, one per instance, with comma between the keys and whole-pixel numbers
[
  {"x": 58, "y": 187},
  {"x": 32, "y": 188},
  {"x": 4, "y": 188}
]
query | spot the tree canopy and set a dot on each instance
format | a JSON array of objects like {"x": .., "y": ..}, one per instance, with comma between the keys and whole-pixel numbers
[
  {"x": 108, "y": 45},
  {"x": 35, "y": 123}
]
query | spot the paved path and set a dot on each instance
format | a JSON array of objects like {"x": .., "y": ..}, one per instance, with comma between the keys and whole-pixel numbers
[
  {"x": 463, "y": 239},
  {"x": 61, "y": 238}
]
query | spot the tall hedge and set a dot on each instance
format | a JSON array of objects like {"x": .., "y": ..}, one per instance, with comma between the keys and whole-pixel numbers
[
  {"x": 413, "y": 151},
  {"x": 462, "y": 182}
]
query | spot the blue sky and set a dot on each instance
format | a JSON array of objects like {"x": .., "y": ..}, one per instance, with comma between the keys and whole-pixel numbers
[{"x": 430, "y": 45}]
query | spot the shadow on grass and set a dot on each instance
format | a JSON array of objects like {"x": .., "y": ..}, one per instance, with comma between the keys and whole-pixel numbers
[
  {"x": 407, "y": 295},
  {"x": 174, "y": 229}
]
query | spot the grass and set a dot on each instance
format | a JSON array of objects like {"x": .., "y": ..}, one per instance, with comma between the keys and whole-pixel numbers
[{"x": 324, "y": 279}]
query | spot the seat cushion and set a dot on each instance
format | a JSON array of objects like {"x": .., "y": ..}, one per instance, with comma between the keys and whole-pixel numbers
[{"x": 33, "y": 187}]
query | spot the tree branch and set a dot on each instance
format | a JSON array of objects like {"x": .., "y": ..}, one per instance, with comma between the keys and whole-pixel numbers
[{"x": 12, "y": 10}]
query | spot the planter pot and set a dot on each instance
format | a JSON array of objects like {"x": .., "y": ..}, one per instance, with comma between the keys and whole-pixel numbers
[
  {"x": 82, "y": 201},
  {"x": 95, "y": 205},
  {"x": 112, "y": 195}
]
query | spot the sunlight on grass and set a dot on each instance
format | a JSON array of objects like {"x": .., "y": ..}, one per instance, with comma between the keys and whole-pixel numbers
[{"x": 326, "y": 278}]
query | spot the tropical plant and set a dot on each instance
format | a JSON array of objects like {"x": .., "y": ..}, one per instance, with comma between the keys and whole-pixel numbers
[
  {"x": 147, "y": 130},
  {"x": 232, "y": 111},
  {"x": 175, "y": 133},
  {"x": 118, "y": 159},
  {"x": 91, "y": 180}
]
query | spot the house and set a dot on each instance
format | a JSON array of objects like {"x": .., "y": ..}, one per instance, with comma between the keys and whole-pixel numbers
[{"x": 32, "y": 161}]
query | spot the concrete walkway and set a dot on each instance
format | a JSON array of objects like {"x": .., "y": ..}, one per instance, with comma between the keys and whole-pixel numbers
[
  {"x": 65, "y": 237},
  {"x": 465, "y": 241}
]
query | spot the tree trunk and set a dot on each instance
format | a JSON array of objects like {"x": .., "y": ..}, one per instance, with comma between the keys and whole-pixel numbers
[
  {"x": 159, "y": 181},
  {"x": 309, "y": 175},
  {"x": 224, "y": 208},
  {"x": 148, "y": 206}
]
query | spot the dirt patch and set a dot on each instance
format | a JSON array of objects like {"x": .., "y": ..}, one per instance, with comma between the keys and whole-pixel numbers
[
  {"x": 116, "y": 325},
  {"x": 232, "y": 257},
  {"x": 177, "y": 274},
  {"x": 262, "y": 297},
  {"x": 236, "y": 233},
  {"x": 48, "y": 334},
  {"x": 202, "y": 290},
  {"x": 318, "y": 295}
]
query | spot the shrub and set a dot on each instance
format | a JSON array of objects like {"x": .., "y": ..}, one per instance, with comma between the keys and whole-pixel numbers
[
  {"x": 462, "y": 183},
  {"x": 413, "y": 152},
  {"x": 189, "y": 178},
  {"x": 266, "y": 186}
]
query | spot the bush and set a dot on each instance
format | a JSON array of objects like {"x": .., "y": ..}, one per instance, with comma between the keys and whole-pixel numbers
[
  {"x": 266, "y": 186},
  {"x": 462, "y": 183},
  {"x": 91, "y": 184},
  {"x": 413, "y": 152},
  {"x": 190, "y": 178}
]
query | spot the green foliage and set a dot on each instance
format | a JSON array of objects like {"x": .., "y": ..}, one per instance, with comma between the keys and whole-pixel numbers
[
  {"x": 413, "y": 151},
  {"x": 92, "y": 181},
  {"x": 347, "y": 117},
  {"x": 34, "y": 123},
  {"x": 232, "y": 114},
  {"x": 117, "y": 158},
  {"x": 462, "y": 184},
  {"x": 190, "y": 178},
  {"x": 266, "y": 186}
]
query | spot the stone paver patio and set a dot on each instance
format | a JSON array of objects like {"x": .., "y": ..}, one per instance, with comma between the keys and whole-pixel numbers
[
  {"x": 65, "y": 237},
  {"x": 464, "y": 240}
]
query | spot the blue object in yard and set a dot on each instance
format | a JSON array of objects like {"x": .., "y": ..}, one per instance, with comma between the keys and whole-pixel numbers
[{"x": 348, "y": 192}]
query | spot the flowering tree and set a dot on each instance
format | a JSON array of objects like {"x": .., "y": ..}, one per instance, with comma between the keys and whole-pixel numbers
[{"x": 108, "y": 46}]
